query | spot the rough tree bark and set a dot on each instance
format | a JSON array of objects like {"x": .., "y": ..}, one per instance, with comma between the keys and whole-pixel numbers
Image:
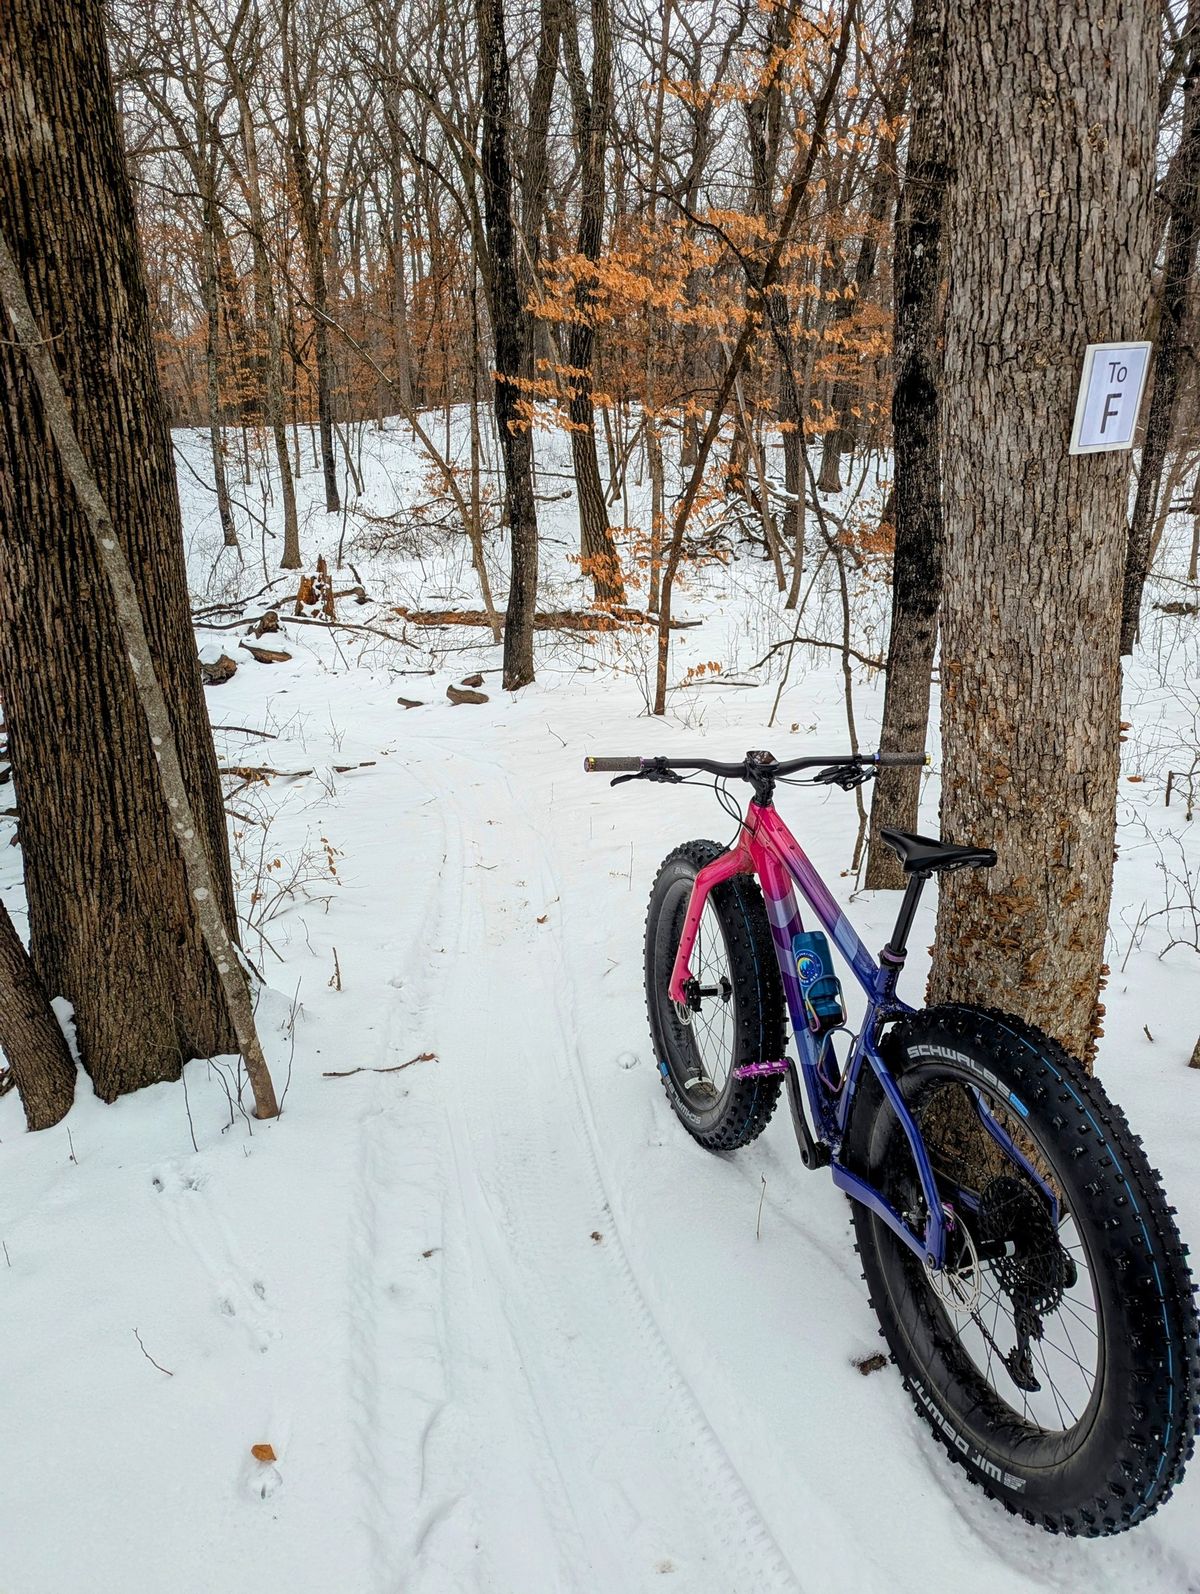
[
  {"x": 510, "y": 334},
  {"x": 1048, "y": 247},
  {"x": 111, "y": 925},
  {"x": 916, "y": 434},
  {"x": 592, "y": 110},
  {"x": 1181, "y": 192},
  {"x": 30, "y": 1038},
  {"x": 201, "y": 882}
]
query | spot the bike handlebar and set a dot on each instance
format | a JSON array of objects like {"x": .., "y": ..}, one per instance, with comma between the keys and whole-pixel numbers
[{"x": 762, "y": 764}]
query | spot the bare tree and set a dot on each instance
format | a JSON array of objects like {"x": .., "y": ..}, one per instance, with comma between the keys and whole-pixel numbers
[
  {"x": 113, "y": 926},
  {"x": 916, "y": 435},
  {"x": 592, "y": 110},
  {"x": 510, "y": 333},
  {"x": 242, "y": 48},
  {"x": 298, "y": 89},
  {"x": 1181, "y": 196},
  {"x": 1035, "y": 538}
]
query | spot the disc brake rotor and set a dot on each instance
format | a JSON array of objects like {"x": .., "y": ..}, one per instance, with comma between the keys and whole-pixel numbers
[{"x": 959, "y": 1284}]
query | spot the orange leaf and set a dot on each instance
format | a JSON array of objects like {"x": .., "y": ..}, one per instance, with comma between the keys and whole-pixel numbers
[{"x": 263, "y": 1452}]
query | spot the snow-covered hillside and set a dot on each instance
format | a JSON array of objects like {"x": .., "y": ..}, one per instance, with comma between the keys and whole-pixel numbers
[{"x": 501, "y": 1322}]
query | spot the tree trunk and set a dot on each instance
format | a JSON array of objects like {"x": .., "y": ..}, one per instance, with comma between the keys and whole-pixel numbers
[
  {"x": 314, "y": 255},
  {"x": 401, "y": 341},
  {"x": 510, "y": 333},
  {"x": 535, "y": 175},
  {"x": 244, "y": 363},
  {"x": 840, "y": 438},
  {"x": 111, "y": 925},
  {"x": 916, "y": 435},
  {"x": 591, "y": 113},
  {"x": 30, "y": 1038},
  {"x": 1182, "y": 194},
  {"x": 208, "y": 291},
  {"x": 267, "y": 309},
  {"x": 658, "y": 510},
  {"x": 765, "y": 130},
  {"x": 1034, "y": 546}
]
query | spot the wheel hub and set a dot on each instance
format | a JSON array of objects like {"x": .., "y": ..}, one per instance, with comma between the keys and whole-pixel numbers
[{"x": 694, "y": 993}]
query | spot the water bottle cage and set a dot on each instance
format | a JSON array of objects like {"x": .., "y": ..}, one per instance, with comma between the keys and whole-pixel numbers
[{"x": 824, "y": 1008}]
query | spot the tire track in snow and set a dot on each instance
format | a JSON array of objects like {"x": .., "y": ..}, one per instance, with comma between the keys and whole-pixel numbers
[
  {"x": 593, "y": 1347},
  {"x": 410, "y": 1273},
  {"x": 394, "y": 1370}
]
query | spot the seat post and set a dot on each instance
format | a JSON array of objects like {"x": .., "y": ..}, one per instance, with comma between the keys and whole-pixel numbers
[{"x": 896, "y": 949}]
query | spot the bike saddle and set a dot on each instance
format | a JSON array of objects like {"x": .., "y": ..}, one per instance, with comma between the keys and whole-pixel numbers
[{"x": 924, "y": 855}]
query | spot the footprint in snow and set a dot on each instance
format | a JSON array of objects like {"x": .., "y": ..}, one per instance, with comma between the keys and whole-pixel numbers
[{"x": 261, "y": 1479}]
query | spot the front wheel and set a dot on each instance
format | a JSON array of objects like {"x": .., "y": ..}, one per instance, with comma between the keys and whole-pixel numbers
[
  {"x": 739, "y": 1014},
  {"x": 1056, "y": 1355}
]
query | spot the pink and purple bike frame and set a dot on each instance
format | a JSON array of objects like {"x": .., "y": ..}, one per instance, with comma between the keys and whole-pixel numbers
[{"x": 766, "y": 847}]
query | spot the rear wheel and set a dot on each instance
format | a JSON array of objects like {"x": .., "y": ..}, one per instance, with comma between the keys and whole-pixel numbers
[
  {"x": 1056, "y": 1355},
  {"x": 737, "y": 1018}
]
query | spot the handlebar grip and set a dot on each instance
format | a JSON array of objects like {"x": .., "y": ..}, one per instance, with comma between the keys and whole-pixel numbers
[
  {"x": 903, "y": 760},
  {"x": 612, "y": 766}
]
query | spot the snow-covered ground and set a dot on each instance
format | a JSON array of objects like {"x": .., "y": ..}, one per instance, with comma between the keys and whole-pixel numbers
[{"x": 504, "y": 1326}]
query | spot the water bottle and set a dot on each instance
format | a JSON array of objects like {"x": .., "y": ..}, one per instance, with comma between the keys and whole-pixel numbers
[{"x": 820, "y": 988}]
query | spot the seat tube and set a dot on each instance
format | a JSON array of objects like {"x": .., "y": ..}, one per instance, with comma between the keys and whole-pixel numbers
[{"x": 896, "y": 949}]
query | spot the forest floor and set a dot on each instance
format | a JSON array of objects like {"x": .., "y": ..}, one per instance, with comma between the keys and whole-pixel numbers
[{"x": 503, "y": 1325}]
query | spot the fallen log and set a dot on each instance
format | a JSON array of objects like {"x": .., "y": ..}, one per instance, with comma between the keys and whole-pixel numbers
[{"x": 614, "y": 619}]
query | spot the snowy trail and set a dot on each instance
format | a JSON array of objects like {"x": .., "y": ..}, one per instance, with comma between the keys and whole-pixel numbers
[
  {"x": 603, "y": 1399},
  {"x": 507, "y": 1329},
  {"x": 647, "y": 1440},
  {"x": 400, "y": 1287}
]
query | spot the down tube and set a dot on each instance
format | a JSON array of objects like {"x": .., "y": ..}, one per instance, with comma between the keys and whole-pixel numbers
[{"x": 784, "y": 916}]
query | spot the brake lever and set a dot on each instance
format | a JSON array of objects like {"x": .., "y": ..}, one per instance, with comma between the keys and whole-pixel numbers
[
  {"x": 847, "y": 776},
  {"x": 654, "y": 769}
]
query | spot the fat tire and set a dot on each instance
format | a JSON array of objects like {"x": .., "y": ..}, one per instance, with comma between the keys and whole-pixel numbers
[
  {"x": 1143, "y": 1420},
  {"x": 743, "y": 1108}
]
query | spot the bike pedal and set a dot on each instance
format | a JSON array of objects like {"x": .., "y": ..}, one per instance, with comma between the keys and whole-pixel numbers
[{"x": 755, "y": 1070}]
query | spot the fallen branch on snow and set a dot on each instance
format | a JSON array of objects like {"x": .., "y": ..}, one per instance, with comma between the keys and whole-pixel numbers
[
  {"x": 264, "y": 771},
  {"x": 344, "y": 1073},
  {"x": 545, "y": 620}
]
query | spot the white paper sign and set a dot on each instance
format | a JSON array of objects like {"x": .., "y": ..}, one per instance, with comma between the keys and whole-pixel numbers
[{"x": 1110, "y": 396}]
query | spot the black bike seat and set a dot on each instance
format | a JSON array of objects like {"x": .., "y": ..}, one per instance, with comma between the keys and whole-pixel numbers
[{"x": 924, "y": 855}]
